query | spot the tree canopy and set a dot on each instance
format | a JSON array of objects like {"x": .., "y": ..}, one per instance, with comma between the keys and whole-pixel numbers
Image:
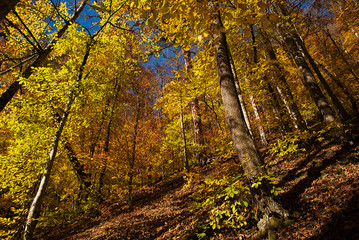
[{"x": 121, "y": 89}]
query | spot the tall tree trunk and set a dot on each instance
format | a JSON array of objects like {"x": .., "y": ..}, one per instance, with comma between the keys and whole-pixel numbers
[
  {"x": 344, "y": 116},
  {"x": 133, "y": 155},
  {"x": 240, "y": 98},
  {"x": 278, "y": 105},
  {"x": 36, "y": 203},
  {"x": 6, "y": 6},
  {"x": 262, "y": 133},
  {"x": 291, "y": 106},
  {"x": 197, "y": 122},
  {"x": 242, "y": 140},
  {"x": 83, "y": 177},
  {"x": 344, "y": 89},
  {"x": 336, "y": 45},
  {"x": 309, "y": 81},
  {"x": 254, "y": 106},
  {"x": 15, "y": 86},
  {"x": 106, "y": 145},
  {"x": 185, "y": 155}
]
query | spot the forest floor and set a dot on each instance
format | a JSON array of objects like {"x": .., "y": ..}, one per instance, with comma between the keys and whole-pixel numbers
[{"x": 321, "y": 184}]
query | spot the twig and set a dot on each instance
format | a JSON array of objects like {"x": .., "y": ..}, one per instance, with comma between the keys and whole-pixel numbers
[
  {"x": 17, "y": 65},
  {"x": 23, "y": 34},
  {"x": 28, "y": 30}
]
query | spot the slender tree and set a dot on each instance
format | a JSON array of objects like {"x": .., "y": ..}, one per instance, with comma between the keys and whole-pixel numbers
[
  {"x": 242, "y": 140},
  {"x": 34, "y": 210},
  {"x": 40, "y": 59},
  {"x": 283, "y": 88},
  {"x": 196, "y": 117},
  {"x": 309, "y": 81},
  {"x": 344, "y": 116}
]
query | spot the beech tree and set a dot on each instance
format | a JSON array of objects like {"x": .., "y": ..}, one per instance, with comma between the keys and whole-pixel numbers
[
  {"x": 167, "y": 84},
  {"x": 244, "y": 144}
]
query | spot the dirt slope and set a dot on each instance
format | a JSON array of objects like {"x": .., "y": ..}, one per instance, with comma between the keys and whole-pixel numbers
[{"x": 321, "y": 184}]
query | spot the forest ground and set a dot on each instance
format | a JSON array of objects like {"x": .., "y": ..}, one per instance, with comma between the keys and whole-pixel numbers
[{"x": 321, "y": 184}]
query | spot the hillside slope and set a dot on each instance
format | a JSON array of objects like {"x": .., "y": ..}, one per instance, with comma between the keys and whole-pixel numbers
[{"x": 321, "y": 184}]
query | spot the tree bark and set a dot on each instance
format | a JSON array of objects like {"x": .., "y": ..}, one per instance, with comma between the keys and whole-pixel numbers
[
  {"x": 242, "y": 140},
  {"x": 185, "y": 155},
  {"x": 15, "y": 86},
  {"x": 262, "y": 133},
  {"x": 84, "y": 178},
  {"x": 343, "y": 114},
  {"x": 133, "y": 156},
  {"x": 344, "y": 89},
  {"x": 278, "y": 105},
  {"x": 240, "y": 98},
  {"x": 254, "y": 106},
  {"x": 291, "y": 106},
  {"x": 309, "y": 81},
  {"x": 36, "y": 203},
  {"x": 6, "y": 6},
  {"x": 196, "y": 117}
]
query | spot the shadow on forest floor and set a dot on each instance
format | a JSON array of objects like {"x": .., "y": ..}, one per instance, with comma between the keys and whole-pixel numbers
[{"x": 322, "y": 184}]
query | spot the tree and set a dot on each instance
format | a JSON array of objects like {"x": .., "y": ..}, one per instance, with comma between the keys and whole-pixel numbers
[
  {"x": 40, "y": 59},
  {"x": 244, "y": 144},
  {"x": 197, "y": 122},
  {"x": 36, "y": 203}
]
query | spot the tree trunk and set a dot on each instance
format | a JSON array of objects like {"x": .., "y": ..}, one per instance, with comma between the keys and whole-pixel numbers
[
  {"x": 6, "y": 6},
  {"x": 106, "y": 145},
  {"x": 309, "y": 81},
  {"x": 84, "y": 178},
  {"x": 36, "y": 203},
  {"x": 133, "y": 156},
  {"x": 262, "y": 134},
  {"x": 291, "y": 106},
  {"x": 185, "y": 155},
  {"x": 254, "y": 106},
  {"x": 342, "y": 56},
  {"x": 15, "y": 86},
  {"x": 344, "y": 89},
  {"x": 240, "y": 98},
  {"x": 197, "y": 122},
  {"x": 242, "y": 140},
  {"x": 344, "y": 116},
  {"x": 278, "y": 105}
]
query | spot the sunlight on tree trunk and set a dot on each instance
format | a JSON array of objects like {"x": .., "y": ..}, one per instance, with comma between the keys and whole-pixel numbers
[
  {"x": 243, "y": 142},
  {"x": 36, "y": 203}
]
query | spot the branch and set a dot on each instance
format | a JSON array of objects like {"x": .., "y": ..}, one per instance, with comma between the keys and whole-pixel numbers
[
  {"x": 107, "y": 21},
  {"x": 28, "y": 30},
  {"x": 125, "y": 29},
  {"x": 23, "y": 34},
  {"x": 230, "y": 2},
  {"x": 17, "y": 65},
  {"x": 57, "y": 10}
]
